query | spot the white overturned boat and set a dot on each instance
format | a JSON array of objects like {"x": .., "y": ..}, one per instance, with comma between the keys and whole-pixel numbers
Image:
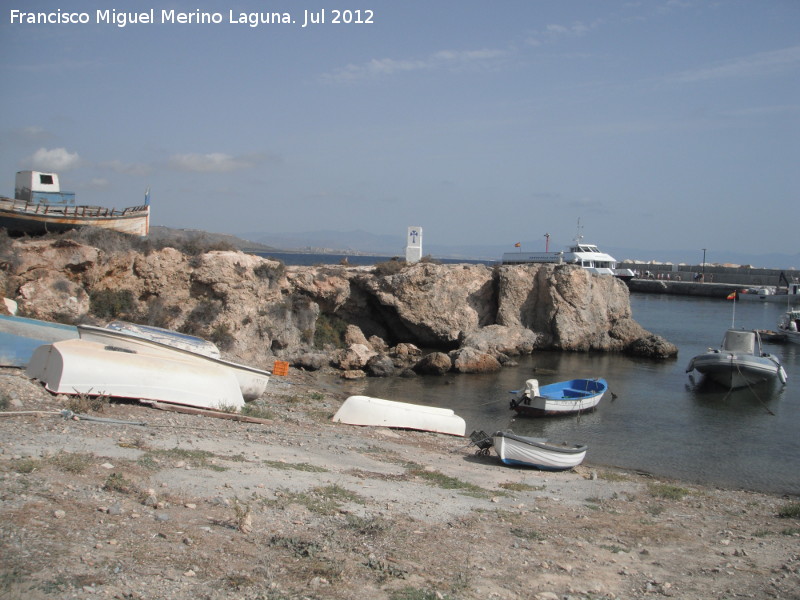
[
  {"x": 738, "y": 362},
  {"x": 162, "y": 342},
  {"x": 536, "y": 452},
  {"x": 167, "y": 337},
  {"x": 82, "y": 367},
  {"x": 364, "y": 410}
]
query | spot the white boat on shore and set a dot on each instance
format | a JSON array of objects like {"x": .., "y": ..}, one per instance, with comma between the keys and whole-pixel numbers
[
  {"x": 168, "y": 337},
  {"x": 78, "y": 366},
  {"x": 252, "y": 382},
  {"x": 738, "y": 362},
  {"x": 365, "y": 410},
  {"x": 537, "y": 452},
  {"x": 39, "y": 206}
]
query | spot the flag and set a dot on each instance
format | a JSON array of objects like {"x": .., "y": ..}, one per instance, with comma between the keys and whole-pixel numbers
[
  {"x": 517, "y": 245},
  {"x": 731, "y": 296}
]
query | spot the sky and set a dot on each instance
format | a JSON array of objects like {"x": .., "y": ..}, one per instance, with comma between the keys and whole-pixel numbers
[{"x": 658, "y": 124}]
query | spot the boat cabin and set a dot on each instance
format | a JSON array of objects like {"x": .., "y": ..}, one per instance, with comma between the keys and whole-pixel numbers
[{"x": 37, "y": 187}]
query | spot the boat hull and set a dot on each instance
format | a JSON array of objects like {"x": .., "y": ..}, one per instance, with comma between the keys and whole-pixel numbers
[
  {"x": 76, "y": 367},
  {"x": 734, "y": 371},
  {"x": 537, "y": 453},
  {"x": 364, "y": 410},
  {"x": 563, "y": 398},
  {"x": 20, "y": 217},
  {"x": 252, "y": 382}
]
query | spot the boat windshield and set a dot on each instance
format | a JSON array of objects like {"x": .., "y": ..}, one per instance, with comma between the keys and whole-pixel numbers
[{"x": 739, "y": 341}]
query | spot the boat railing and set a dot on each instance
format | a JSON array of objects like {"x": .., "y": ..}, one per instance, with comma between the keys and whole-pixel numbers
[{"x": 69, "y": 211}]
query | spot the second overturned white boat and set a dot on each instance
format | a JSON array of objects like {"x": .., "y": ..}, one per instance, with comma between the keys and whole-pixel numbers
[
  {"x": 253, "y": 382},
  {"x": 738, "y": 362},
  {"x": 82, "y": 367},
  {"x": 365, "y": 410}
]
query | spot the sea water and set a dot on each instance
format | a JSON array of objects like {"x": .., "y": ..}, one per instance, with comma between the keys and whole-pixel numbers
[{"x": 655, "y": 418}]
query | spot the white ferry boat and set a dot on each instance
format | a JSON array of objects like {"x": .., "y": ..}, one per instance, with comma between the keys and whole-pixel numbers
[{"x": 587, "y": 256}]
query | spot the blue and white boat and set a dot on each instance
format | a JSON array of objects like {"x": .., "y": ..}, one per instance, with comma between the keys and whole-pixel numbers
[{"x": 562, "y": 398}]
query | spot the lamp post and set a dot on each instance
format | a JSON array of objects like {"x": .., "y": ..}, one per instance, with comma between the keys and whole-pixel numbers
[{"x": 704, "y": 265}]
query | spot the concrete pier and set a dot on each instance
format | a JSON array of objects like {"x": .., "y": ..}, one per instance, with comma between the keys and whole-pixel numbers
[{"x": 682, "y": 288}]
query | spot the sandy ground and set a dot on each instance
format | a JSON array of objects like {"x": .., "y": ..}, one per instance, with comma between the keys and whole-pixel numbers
[{"x": 183, "y": 506}]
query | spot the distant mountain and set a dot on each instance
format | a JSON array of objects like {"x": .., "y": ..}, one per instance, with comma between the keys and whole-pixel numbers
[{"x": 362, "y": 242}]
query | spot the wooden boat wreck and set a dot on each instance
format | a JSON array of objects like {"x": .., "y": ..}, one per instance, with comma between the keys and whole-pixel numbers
[
  {"x": 524, "y": 451},
  {"x": 172, "y": 344},
  {"x": 365, "y": 410},
  {"x": 20, "y": 337},
  {"x": 561, "y": 398},
  {"x": 78, "y": 366},
  {"x": 39, "y": 206}
]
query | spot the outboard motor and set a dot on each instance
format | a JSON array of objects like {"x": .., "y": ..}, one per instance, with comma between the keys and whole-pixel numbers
[{"x": 532, "y": 388}]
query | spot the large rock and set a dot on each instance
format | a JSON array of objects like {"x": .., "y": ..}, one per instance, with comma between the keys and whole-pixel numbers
[
  {"x": 435, "y": 363},
  {"x": 436, "y": 304},
  {"x": 501, "y": 339},
  {"x": 257, "y": 309},
  {"x": 471, "y": 360}
]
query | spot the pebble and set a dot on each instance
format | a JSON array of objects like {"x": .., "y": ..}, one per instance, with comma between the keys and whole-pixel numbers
[
  {"x": 59, "y": 514},
  {"x": 162, "y": 517}
]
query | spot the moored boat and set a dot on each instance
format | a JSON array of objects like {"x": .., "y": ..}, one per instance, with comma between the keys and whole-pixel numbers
[
  {"x": 79, "y": 366},
  {"x": 365, "y": 410},
  {"x": 587, "y": 256},
  {"x": 789, "y": 325},
  {"x": 561, "y": 398},
  {"x": 163, "y": 342},
  {"x": 537, "y": 452},
  {"x": 39, "y": 206},
  {"x": 789, "y": 295},
  {"x": 738, "y": 362}
]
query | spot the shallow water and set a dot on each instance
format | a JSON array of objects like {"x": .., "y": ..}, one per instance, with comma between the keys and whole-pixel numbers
[{"x": 656, "y": 418}]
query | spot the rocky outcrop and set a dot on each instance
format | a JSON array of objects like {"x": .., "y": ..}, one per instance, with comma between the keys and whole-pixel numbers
[{"x": 472, "y": 317}]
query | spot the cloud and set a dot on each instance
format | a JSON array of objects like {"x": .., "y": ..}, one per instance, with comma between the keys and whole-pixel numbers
[
  {"x": 443, "y": 59},
  {"x": 57, "y": 159},
  {"x": 118, "y": 166},
  {"x": 554, "y": 32},
  {"x": 747, "y": 66},
  {"x": 215, "y": 162}
]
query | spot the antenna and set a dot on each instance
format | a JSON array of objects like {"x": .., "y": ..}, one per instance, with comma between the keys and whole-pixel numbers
[{"x": 579, "y": 235}]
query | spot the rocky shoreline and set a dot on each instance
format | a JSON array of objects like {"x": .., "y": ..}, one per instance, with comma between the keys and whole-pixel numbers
[
  {"x": 125, "y": 501},
  {"x": 385, "y": 320},
  {"x": 142, "y": 504}
]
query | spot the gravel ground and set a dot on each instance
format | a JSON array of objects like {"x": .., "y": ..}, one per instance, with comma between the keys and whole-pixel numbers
[{"x": 145, "y": 503}]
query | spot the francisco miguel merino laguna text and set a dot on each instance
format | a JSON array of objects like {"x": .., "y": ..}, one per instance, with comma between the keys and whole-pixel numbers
[{"x": 252, "y": 19}]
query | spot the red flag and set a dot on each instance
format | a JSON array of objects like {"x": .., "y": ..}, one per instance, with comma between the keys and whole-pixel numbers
[
  {"x": 731, "y": 296},
  {"x": 517, "y": 245}
]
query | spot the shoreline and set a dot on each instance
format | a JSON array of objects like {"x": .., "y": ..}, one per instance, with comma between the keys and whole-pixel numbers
[{"x": 302, "y": 507}]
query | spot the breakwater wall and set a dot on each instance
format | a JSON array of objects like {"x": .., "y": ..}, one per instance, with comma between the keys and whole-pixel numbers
[
  {"x": 682, "y": 288},
  {"x": 738, "y": 275}
]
